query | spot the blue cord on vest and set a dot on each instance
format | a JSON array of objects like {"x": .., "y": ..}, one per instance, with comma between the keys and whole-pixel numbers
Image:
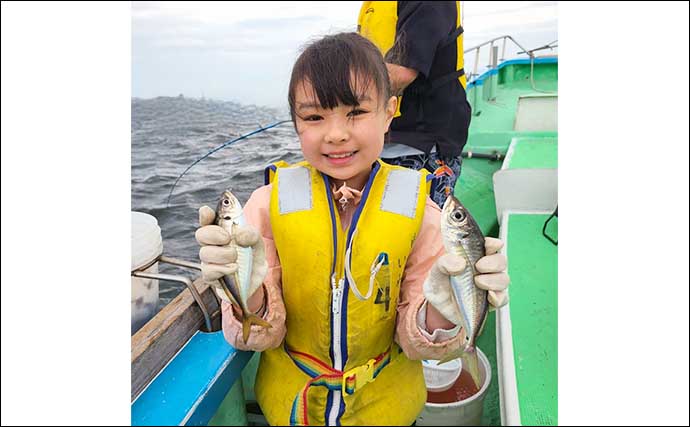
[{"x": 223, "y": 145}]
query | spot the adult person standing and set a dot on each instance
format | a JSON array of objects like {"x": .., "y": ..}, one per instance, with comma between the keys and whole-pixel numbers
[{"x": 422, "y": 44}]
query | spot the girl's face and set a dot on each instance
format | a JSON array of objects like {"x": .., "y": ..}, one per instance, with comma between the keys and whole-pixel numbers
[{"x": 343, "y": 142}]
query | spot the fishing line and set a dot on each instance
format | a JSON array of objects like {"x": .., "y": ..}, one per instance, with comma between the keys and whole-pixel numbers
[{"x": 220, "y": 147}]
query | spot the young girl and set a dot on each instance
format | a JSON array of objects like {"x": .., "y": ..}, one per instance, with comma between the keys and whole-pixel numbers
[{"x": 349, "y": 255}]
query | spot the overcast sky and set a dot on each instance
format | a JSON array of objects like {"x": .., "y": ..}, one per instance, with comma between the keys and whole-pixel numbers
[{"x": 244, "y": 51}]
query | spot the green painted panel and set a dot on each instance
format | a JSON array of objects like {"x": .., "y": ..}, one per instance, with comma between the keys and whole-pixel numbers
[
  {"x": 498, "y": 115},
  {"x": 534, "y": 153},
  {"x": 249, "y": 377},
  {"x": 533, "y": 270},
  {"x": 232, "y": 411},
  {"x": 476, "y": 192}
]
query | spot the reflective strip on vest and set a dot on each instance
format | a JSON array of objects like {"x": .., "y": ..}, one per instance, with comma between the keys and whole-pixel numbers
[
  {"x": 294, "y": 190},
  {"x": 400, "y": 195}
]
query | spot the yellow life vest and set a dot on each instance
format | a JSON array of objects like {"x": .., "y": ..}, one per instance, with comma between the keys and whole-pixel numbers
[
  {"x": 377, "y": 22},
  {"x": 323, "y": 267}
]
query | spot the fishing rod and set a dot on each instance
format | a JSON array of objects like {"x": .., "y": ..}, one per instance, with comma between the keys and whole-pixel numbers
[{"x": 220, "y": 147}]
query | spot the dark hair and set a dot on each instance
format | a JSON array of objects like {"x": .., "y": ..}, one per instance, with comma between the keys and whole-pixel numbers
[{"x": 328, "y": 65}]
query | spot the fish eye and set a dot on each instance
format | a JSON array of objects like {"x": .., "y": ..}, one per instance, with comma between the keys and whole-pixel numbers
[
  {"x": 226, "y": 202},
  {"x": 458, "y": 215}
]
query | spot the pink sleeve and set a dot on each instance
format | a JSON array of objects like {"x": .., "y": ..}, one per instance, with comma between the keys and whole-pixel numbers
[
  {"x": 426, "y": 249},
  {"x": 257, "y": 214}
]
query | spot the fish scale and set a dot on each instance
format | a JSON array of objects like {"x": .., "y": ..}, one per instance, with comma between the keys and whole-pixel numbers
[
  {"x": 472, "y": 300},
  {"x": 244, "y": 260}
]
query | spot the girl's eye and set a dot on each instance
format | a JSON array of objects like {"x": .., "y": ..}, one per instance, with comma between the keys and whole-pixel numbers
[
  {"x": 312, "y": 118},
  {"x": 356, "y": 112}
]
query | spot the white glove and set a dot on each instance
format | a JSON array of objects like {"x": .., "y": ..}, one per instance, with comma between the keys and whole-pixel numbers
[
  {"x": 218, "y": 260},
  {"x": 437, "y": 289}
]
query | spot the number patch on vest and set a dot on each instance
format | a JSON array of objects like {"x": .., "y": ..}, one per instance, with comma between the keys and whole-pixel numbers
[{"x": 380, "y": 297}]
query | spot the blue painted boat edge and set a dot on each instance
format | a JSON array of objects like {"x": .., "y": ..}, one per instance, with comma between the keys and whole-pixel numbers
[
  {"x": 479, "y": 81},
  {"x": 211, "y": 400},
  {"x": 193, "y": 384}
]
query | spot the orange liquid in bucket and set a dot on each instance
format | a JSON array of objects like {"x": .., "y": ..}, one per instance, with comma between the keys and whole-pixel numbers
[{"x": 462, "y": 389}]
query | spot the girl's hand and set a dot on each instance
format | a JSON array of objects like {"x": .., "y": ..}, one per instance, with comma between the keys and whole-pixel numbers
[{"x": 492, "y": 277}]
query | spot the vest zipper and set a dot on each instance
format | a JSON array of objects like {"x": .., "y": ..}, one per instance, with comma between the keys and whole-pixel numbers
[
  {"x": 337, "y": 290},
  {"x": 337, "y": 287},
  {"x": 337, "y": 296}
]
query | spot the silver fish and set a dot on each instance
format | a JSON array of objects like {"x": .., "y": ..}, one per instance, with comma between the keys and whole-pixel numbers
[
  {"x": 238, "y": 286},
  {"x": 463, "y": 237}
]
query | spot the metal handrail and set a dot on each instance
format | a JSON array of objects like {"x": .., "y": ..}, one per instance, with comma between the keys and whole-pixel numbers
[
  {"x": 180, "y": 279},
  {"x": 493, "y": 62},
  {"x": 503, "y": 51},
  {"x": 546, "y": 46}
]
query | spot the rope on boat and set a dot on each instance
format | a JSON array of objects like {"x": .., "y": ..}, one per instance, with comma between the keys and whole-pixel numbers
[{"x": 220, "y": 147}]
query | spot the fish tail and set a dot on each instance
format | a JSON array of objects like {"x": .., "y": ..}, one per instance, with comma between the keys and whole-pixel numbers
[
  {"x": 248, "y": 321},
  {"x": 246, "y": 328},
  {"x": 450, "y": 356},
  {"x": 470, "y": 361}
]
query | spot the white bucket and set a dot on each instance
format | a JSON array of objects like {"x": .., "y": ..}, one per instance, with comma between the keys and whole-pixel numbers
[
  {"x": 147, "y": 245},
  {"x": 466, "y": 412},
  {"x": 441, "y": 377}
]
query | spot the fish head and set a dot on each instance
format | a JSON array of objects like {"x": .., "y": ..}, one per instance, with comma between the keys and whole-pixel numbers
[
  {"x": 456, "y": 219},
  {"x": 229, "y": 208}
]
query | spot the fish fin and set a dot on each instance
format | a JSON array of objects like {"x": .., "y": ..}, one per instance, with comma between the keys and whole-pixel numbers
[
  {"x": 248, "y": 321},
  {"x": 256, "y": 320},
  {"x": 450, "y": 356},
  {"x": 246, "y": 329},
  {"x": 470, "y": 360},
  {"x": 481, "y": 328}
]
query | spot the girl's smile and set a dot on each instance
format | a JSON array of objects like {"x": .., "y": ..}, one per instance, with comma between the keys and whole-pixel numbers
[{"x": 340, "y": 158}]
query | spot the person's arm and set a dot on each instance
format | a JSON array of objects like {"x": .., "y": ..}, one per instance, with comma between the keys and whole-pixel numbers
[
  {"x": 256, "y": 212},
  {"x": 267, "y": 301},
  {"x": 421, "y": 27},
  {"x": 400, "y": 77},
  {"x": 421, "y": 331}
]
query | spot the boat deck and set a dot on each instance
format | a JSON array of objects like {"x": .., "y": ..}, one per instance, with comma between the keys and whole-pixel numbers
[
  {"x": 533, "y": 316},
  {"x": 495, "y": 97},
  {"x": 511, "y": 118}
]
